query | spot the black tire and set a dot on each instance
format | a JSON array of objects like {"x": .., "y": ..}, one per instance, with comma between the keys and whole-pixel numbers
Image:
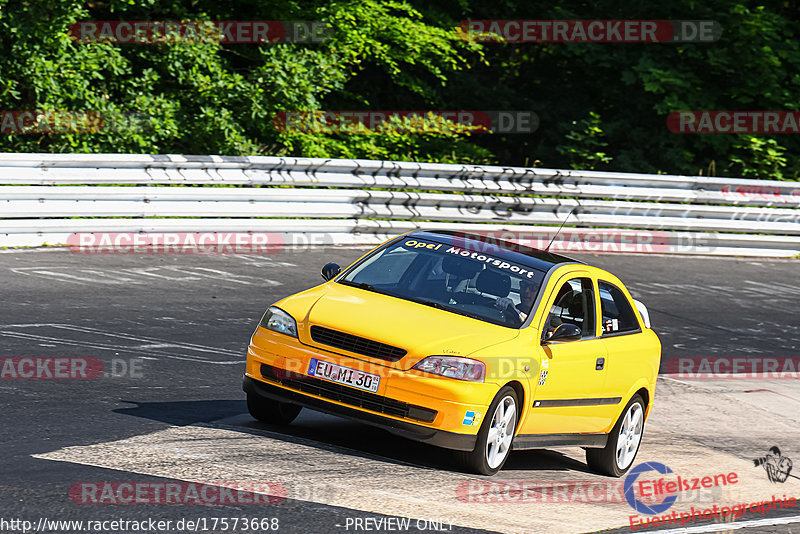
[
  {"x": 604, "y": 461},
  {"x": 271, "y": 411},
  {"x": 477, "y": 460}
]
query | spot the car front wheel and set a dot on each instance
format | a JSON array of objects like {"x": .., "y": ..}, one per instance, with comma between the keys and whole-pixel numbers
[
  {"x": 495, "y": 436},
  {"x": 623, "y": 442},
  {"x": 271, "y": 411}
]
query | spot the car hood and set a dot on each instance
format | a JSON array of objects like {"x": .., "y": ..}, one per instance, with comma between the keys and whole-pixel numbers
[{"x": 420, "y": 330}]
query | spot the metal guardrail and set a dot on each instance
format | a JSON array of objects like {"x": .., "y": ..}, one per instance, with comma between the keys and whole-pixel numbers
[{"x": 47, "y": 197}]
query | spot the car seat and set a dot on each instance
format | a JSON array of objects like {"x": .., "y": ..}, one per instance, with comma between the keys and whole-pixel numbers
[{"x": 489, "y": 282}]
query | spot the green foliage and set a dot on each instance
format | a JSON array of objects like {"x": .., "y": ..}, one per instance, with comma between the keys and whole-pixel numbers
[
  {"x": 585, "y": 143},
  {"x": 601, "y": 106},
  {"x": 758, "y": 157},
  {"x": 204, "y": 97}
]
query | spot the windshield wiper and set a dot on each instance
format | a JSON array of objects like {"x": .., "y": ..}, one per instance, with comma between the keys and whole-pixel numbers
[
  {"x": 361, "y": 285},
  {"x": 470, "y": 315},
  {"x": 432, "y": 304},
  {"x": 467, "y": 314},
  {"x": 440, "y": 306}
]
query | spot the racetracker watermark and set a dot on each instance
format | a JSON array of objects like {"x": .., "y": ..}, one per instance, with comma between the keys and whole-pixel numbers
[
  {"x": 590, "y": 31},
  {"x": 734, "y": 122},
  {"x": 51, "y": 368},
  {"x": 549, "y": 491},
  {"x": 176, "y": 242},
  {"x": 778, "y": 195},
  {"x": 66, "y": 122},
  {"x": 292, "y": 369},
  {"x": 415, "y": 122},
  {"x": 204, "y": 31},
  {"x": 720, "y": 367},
  {"x": 556, "y": 491},
  {"x": 180, "y": 493},
  {"x": 69, "y": 368},
  {"x": 586, "y": 241}
]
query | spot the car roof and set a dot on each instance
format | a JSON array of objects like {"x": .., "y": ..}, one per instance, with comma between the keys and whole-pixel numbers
[{"x": 507, "y": 250}]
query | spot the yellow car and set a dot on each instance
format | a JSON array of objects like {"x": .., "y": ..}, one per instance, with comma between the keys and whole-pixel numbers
[{"x": 467, "y": 343}]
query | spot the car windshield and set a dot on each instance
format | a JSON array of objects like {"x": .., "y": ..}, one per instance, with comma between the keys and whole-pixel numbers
[{"x": 459, "y": 280}]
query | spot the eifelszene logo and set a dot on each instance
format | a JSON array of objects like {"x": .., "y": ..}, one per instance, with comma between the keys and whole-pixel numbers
[
  {"x": 630, "y": 484},
  {"x": 653, "y": 496}
]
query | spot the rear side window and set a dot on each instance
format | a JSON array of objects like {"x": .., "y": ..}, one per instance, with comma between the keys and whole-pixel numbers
[{"x": 617, "y": 312}]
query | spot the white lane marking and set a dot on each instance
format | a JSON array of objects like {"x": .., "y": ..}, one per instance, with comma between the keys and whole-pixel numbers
[
  {"x": 755, "y": 289},
  {"x": 116, "y": 348},
  {"x": 62, "y": 277},
  {"x": 167, "y": 387},
  {"x": 786, "y": 287},
  {"x": 262, "y": 261},
  {"x": 149, "y": 271},
  {"x": 774, "y": 288},
  {"x": 229, "y": 277},
  {"x": 114, "y": 276},
  {"x": 225, "y": 275},
  {"x": 148, "y": 345},
  {"x": 142, "y": 339},
  {"x": 220, "y": 275},
  {"x": 90, "y": 276},
  {"x": 138, "y": 275},
  {"x": 666, "y": 377},
  {"x": 718, "y": 527}
]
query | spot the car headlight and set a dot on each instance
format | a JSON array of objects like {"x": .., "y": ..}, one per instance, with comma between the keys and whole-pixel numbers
[
  {"x": 453, "y": 367},
  {"x": 277, "y": 320}
]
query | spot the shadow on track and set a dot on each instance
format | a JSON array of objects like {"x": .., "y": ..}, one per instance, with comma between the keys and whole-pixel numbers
[
  {"x": 333, "y": 433},
  {"x": 182, "y": 413}
]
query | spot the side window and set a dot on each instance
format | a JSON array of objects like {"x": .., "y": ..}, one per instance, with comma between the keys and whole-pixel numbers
[
  {"x": 574, "y": 303},
  {"x": 618, "y": 314}
]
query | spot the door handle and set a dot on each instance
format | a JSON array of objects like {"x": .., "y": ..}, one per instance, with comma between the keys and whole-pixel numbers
[{"x": 599, "y": 364}]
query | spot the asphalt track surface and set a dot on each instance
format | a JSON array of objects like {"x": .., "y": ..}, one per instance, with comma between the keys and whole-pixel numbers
[{"x": 172, "y": 331}]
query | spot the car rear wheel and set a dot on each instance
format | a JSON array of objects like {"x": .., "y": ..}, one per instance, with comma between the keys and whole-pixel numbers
[
  {"x": 623, "y": 443},
  {"x": 271, "y": 411},
  {"x": 495, "y": 436}
]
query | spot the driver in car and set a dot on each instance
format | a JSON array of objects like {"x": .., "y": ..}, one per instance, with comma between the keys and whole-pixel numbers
[{"x": 527, "y": 292}]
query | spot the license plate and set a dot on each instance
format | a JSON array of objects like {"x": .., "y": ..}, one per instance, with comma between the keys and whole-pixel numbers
[{"x": 343, "y": 375}]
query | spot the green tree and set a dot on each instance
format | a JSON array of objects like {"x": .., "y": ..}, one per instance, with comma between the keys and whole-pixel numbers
[
  {"x": 601, "y": 106},
  {"x": 207, "y": 97}
]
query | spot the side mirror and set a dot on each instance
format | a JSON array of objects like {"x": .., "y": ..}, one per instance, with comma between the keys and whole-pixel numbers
[
  {"x": 330, "y": 270},
  {"x": 565, "y": 332}
]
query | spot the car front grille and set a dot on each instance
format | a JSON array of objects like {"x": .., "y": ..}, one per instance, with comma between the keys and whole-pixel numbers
[
  {"x": 357, "y": 344},
  {"x": 347, "y": 395}
]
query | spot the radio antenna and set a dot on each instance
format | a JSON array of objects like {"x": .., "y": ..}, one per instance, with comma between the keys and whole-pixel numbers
[{"x": 560, "y": 227}]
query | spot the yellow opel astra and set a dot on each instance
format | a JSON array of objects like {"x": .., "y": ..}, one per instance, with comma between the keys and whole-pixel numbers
[{"x": 468, "y": 343}]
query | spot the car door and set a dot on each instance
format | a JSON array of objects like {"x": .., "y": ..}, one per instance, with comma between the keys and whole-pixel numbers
[
  {"x": 620, "y": 332},
  {"x": 570, "y": 393}
]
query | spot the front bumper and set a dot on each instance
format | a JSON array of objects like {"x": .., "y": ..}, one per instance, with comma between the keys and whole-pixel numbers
[
  {"x": 418, "y": 403},
  {"x": 432, "y": 436}
]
